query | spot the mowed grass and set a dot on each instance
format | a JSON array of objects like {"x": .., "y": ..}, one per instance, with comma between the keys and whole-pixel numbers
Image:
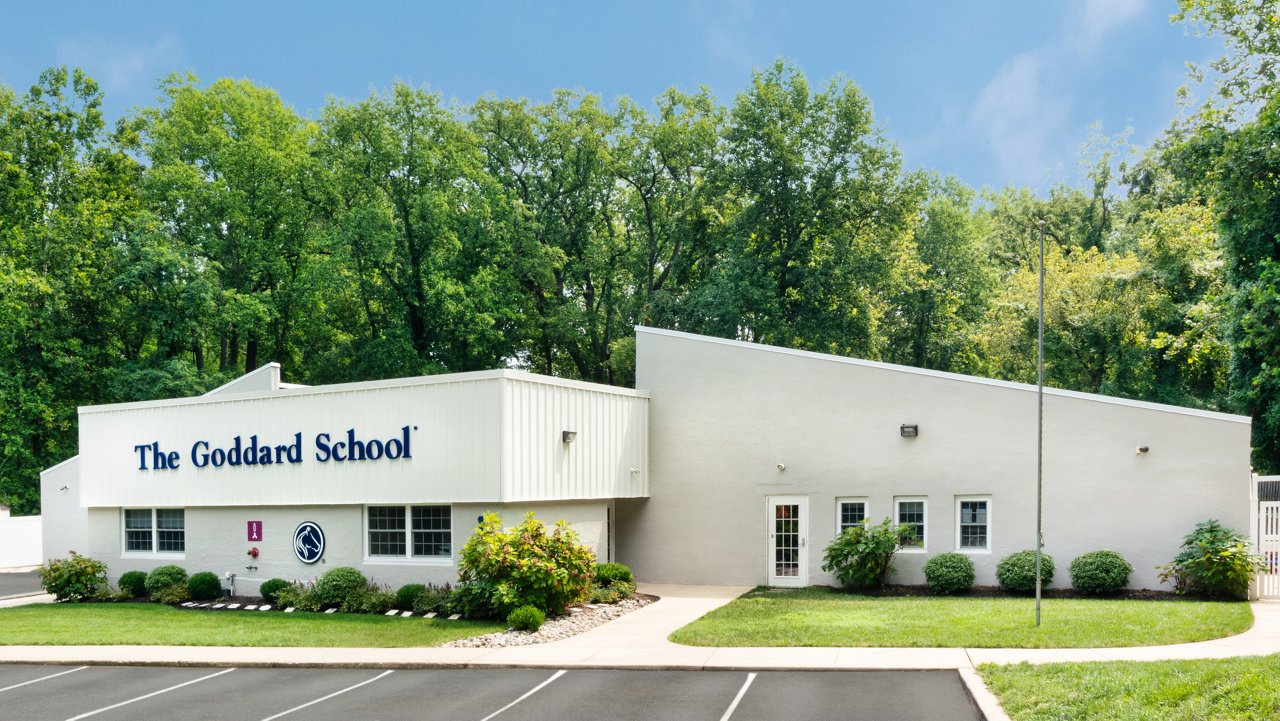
[
  {"x": 820, "y": 616},
  {"x": 104, "y": 624},
  {"x": 1231, "y": 689}
]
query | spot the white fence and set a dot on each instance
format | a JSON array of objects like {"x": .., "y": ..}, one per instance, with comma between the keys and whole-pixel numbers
[{"x": 20, "y": 543}]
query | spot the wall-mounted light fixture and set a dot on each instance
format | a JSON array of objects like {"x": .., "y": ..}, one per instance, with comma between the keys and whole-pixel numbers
[
  {"x": 909, "y": 430},
  {"x": 635, "y": 471},
  {"x": 1142, "y": 449},
  {"x": 65, "y": 488},
  {"x": 782, "y": 466},
  {"x": 568, "y": 436}
]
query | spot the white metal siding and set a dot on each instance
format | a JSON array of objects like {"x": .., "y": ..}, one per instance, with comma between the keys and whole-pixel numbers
[
  {"x": 607, "y": 459},
  {"x": 456, "y": 449},
  {"x": 476, "y": 438}
]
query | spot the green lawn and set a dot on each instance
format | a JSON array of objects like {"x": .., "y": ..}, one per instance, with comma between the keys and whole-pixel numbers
[
  {"x": 820, "y": 616},
  {"x": 102, "y": 624},
  {"x": 1233, "y": 689}
]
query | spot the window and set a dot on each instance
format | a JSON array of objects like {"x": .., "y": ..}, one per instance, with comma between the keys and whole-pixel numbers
[
  {"x": 410, "y": 532},
  {"x": 155, "y": 530},
  {"x": 973, "y": 524},
  {"x": 850, "y": 512},
  {"x": 912, "y": 513}
]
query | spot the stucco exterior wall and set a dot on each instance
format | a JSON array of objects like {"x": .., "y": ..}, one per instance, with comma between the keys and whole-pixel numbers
[
  {"x": 216, "y": 541},
  {"x": 724, "y": 415},
  {"x": 64, "y": 524}
]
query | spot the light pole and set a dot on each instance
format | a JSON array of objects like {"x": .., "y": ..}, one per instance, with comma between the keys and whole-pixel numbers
[{"x": 1040, "y": 428}]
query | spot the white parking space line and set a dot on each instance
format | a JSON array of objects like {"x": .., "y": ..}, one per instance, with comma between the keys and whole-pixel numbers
[
  {"x": 42, "y": 678},
  {"x": 153, "y": 693},
  {"x": 738, "y": 699},
  {"x": 531, "y": 692},
  {"x": 326, "y": 698}
]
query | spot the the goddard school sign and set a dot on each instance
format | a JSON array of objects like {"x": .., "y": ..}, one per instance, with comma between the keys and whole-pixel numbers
[{"x": 253, "y": 452}]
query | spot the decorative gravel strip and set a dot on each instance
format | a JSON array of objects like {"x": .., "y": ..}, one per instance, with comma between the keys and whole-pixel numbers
[{"x": 577, "y": 620}]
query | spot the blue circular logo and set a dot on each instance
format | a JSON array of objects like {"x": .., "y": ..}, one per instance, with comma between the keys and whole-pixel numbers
[{"x": 308, "y": 542}]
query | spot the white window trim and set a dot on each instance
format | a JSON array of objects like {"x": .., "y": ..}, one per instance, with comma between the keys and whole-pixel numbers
[
  {"x": 840, "y": 500},
  {"x": 155, "y": 535},
  {"x": 409, "y": 559},
  {"x": 924, "y": 537},
  {"x": 975, "y": 551}
]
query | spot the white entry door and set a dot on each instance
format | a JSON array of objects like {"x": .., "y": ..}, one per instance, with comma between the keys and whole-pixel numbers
[{"x": 788, "y": 524}]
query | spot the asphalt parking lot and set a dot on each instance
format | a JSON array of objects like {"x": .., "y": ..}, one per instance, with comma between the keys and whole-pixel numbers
[
  {"x": 103, "y": 693},
  {"x": 20, "y": 584}
]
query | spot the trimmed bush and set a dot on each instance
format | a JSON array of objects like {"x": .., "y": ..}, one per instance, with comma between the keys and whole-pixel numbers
[
  {"x": 270, "y": 590},
  {"x": 608, "y": 574},
  {"x": 526, "y": 618},
  {"x": 1100, "y": 573},
  {"x": 343, "y": 587},
  {"x": 862, "y": 556},
  {"x": 526, "y": 566},
  {"x": 376, "y": 600},
  {"x": 133, "y": 583},
  {"x": 1215, "y": 561},
  {"x": 949, "y": 573},
  {"x": 433, "y": 599},
  {"x": 204, "y": 586},
  {"x": 1016, "y": 573},
  {"x": 407, "y": 596},
  {"x": 177, "y": 593},
  {"x": 474, "y": 599},
  {"x": 163, "y": 577},
  {"x": 75, "y": 578}
]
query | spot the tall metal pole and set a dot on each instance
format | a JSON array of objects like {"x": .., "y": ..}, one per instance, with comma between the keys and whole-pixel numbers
[{"x": 1040, "y": 428}]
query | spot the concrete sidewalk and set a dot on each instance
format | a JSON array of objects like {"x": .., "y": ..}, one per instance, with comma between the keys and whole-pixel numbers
[{"x": 639, "y": 641}]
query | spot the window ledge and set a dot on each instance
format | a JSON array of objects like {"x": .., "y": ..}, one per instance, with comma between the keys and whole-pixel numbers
[
  {"x": 157, "y": 555},
  {"x": 975, "y": 551},
  {"x": 406, "y": 561},
  {"x": 913, "y": 550}
]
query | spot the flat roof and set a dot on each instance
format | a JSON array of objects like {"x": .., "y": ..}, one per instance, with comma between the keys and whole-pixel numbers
[
  {"x": 290, "y": 390},
  {"x": 1094, "y": 397}
]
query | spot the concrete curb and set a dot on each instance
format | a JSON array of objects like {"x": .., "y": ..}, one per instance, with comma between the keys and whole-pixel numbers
[{"x": 987, "y": 703}]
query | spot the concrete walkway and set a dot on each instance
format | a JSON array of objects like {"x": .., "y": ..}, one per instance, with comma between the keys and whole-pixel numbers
[{"x": 639, "y": 640}]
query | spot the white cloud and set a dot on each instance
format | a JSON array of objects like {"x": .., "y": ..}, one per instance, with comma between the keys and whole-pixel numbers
[
  {"x": 1099, "y": 17},
  {"x": 120, "y": 67},
  {"x": 1020, "y": 119}
]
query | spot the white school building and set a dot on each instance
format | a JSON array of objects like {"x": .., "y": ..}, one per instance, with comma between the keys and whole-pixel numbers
[{"x": 732, "y": 463}]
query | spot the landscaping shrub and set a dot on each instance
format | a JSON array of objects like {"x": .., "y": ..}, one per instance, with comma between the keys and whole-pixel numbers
[
  {"x": 343, "y": 587},
  {"x": 862, "y": 556},
  {"x": 270, "y": 589},
  {"x": 75, "y": 578},
  {"x": 164, "y": 577},
  {"x": 299, "y": 596},
  {"x": 526, "y": 618},
  {"x": 1100, "y": 573},
  {"x": 949, "y": 574},
  {"x": 407, "y": 596},
  {"x": 133, "y": 583},
  {"x": 526, "y": 566},
  {"x": 1016, "y": 573},
  {"x": 608, "y": 574},
  {"x": 1215, "y": 561},
  {"x": 473, "y": 599},
  {"x": 204, "y": 586},
  {"x": 604, "y": 594},
  {"x": 177, "y": 593},
  {"x": 433, "y": 599},
  {"x": 375, "y": 599}
]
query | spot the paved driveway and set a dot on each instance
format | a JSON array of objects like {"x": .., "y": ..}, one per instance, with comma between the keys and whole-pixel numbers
[
  {"x": 20, "y": 584},
  {"x": 107, "y": 693}
]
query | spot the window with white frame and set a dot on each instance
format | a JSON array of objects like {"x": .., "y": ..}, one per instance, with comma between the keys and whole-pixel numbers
[
  {"x": 973, "y": 524},
  {"x": 410, "y": 532},
  {"x": 155, "y": 530},
  {"x": 850, "y": 512},
  {"x": 912, "y": 513}
]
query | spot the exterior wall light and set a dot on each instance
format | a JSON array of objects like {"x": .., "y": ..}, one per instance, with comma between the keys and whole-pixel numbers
[
  {"x": 1142, "y": 449},
  {"x": 568, "y": 436},
  {"x": 909, "y": 430}
]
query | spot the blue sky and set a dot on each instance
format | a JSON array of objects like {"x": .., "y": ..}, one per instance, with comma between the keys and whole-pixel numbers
[{"x": 996, "y": 93}]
